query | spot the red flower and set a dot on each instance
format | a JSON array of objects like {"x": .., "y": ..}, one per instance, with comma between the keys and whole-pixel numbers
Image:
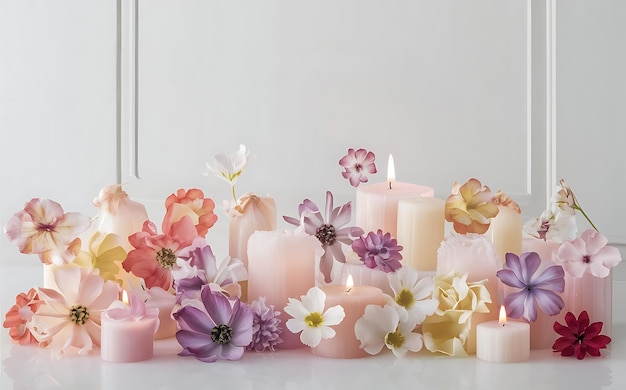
[
  {"x": 192, "y": 203},
  {"x": 19, "y": 315},
  {"x": 579, "y": 337}
]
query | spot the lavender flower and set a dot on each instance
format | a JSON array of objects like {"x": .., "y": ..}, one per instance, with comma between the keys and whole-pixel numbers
[
  {"x": 538, "y": 291},
  {"x": 265, "y": 327},
  {"x": 214, "y": 328},
  {"x": 378, "y": 250},
  {"x": 355, "y": 164},
  {"x": 329, "y": 230}
]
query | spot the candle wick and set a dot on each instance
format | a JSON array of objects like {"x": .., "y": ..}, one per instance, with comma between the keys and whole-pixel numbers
[
  {"x": 348, "y": 290},
  {"x": 390, "y": 184}
]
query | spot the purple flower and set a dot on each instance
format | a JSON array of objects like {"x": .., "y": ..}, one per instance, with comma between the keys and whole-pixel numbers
[
  {"x": 329, "y": 230},
  {"x": 265, "y": 327},
  {"x": 533, "y": 292},
  {"x": 355, "y": 163},
  {"x": 379, "y": 251},
  {"x": 215, "y": 328}
]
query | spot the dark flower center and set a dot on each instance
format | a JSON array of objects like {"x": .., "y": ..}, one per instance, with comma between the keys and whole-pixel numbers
[
  {"x": 222, "y": 334},
  {"x": 405, "y": 298},
  {"x": 395, "y": 339},
  {"x": 586, "y": 259},
  {"x": 358, "y": 167},
  {"x": 326, "y": 234},
  {"x": 45, "y": 227},
  {"x": 79, "y": 314},
  {"x": 166, "y": 258}
]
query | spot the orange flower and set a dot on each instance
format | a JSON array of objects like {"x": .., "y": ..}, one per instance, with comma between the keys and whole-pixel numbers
[
  {"x": 502, "y": 199},
  {"x": 470, "y": 207},
  {"x": 18, "y": 316},
  {"x": 192, "y": 203}
]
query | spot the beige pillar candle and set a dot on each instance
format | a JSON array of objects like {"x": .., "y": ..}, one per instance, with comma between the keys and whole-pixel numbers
[{"x": 421, "y": 226}]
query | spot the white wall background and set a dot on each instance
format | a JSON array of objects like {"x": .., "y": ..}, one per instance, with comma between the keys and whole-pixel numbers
[{"x": 516, "y": 93}]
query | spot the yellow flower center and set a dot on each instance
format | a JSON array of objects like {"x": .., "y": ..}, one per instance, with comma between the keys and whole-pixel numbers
[
  {"x": 394, "y": 339},
  {"x": 314, "y": 320},
  {"x": 405, "y": 298},
  {"x": 79, "y": 314},
  {"x": 166, "y": 258}
]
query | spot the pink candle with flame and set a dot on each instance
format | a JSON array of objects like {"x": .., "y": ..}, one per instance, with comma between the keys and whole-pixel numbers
[
  {"x": 127, "y": 331},
  {"x": 377, "y": 204},
  {"x": 503, "y": 341}
]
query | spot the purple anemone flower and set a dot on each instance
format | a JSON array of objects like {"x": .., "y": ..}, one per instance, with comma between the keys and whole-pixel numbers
[
  {"x": 329, "y": 230},
  {"x": 378, "y": 250},
  {"x": 220, "y": 330},
  {"x": 538, "y": 291}
]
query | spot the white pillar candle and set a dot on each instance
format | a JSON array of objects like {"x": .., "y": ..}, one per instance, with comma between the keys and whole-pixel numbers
[
  {"x": 421, "y": 226},
  {"x": 377, "y": 204},
  {"x": 282, "y": 265},
  {"x": 505, "y": 232},
  {"x": 503, "y": 341}
]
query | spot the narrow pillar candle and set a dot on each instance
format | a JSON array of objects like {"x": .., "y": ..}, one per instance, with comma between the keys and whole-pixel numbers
[
  {"x": 377, "y": 204},
  {"x": 345, "y": 345},
  {"x": 505, "y": 232},
  {"x": 127, "y": 332},
  {"x": 282, "y": 264},
  {"x": 503, "y": 341},
  {"x": 421, "y": 226}
]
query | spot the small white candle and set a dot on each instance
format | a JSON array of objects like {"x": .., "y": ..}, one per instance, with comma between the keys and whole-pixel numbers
[{"x": 503, "y": 341}]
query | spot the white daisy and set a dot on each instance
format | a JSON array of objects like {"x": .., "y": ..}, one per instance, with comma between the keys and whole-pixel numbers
[{"x": 413, "y": 298}]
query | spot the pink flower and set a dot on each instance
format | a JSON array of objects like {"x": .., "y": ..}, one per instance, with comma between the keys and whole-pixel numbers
[
  {"x": 155, "y": 254},
  {"x": 192, "y": 203},
  {"x": 378, "y": 250},
  {"x": 355, "y": 163},
  {"x": 18, "y": 316},
  {"x": 588, "y": 253},
  {"x": 470, "y": 207},
  {"x": 44, "y": 229},
  {"x": 70, "y": 317}
]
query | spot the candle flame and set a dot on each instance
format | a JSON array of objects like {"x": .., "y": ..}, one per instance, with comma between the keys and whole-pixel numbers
[
  {"x": 349, "y": 283},
  {"x": 125, "y": 297},
  {"x": 502, "y": 319},
  {"x": 391, "y": 171}
]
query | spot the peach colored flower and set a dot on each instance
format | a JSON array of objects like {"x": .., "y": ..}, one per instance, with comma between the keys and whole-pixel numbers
[
  {"x": 192, "y": 203},
  {"x": 502, "y": 199},
  {"x": 470, "y": 207},
  {"x": 19, "y": 315}
]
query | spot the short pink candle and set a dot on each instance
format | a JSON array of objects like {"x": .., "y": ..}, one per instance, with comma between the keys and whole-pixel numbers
[
  {"x": 127, "y": 332},
  {"x": 281, "y": 264},
  {"x": 377, "y": 204},
  {"x": 503, "y": 341},
  {"x": 162, "y": 300},
  {"x": 345, "y": 345},
  {"x": 364, "y": 276}
]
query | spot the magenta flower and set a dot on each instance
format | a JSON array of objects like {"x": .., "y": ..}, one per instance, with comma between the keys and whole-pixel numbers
[
  {"x": 44, "y": 229},
  {"x": 355, "y": 163},
  {"x": 378, "y": 250},
  {"x": 579, "y": 338},
  {"x": 266, "y": 328},
  {"x": 330, "y": 230},
  {"x": 219, "y": 328},
  {"x": 538, "y": 291},
  {"x": 588, "y": 254}
]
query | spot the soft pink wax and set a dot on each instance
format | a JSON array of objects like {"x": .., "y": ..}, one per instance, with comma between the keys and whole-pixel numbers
[
  {"x": 503, "y": 341},
  {"x": 345, "y": 344}
]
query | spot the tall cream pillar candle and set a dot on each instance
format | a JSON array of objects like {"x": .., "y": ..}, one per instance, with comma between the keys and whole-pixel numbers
[
  {"x": 282, "y": 264},
  {"x": 421, "y": 226},
  {"x": 505, "y": 232}
]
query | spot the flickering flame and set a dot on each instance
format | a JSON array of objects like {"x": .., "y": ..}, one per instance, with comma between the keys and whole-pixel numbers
[
  {"x": 391, "y": 171},
  {"x": 125, "y": 297},
  {"x": 502, "y": 319},
  {"x": 349, "y": 283}
]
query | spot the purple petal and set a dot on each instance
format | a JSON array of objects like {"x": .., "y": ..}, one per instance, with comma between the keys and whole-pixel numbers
[
  {"x": 217, "y": 305},
  {"x": 326, "y": 265},
  {"x": 232, "y": 352},
  {"x": 552, "y": 278},
  {"x": 341, "y": 215},
  {"x": 514, "y": 264},
  {"x": 241, "y": 324},
  {"x": 329, "y": 206},
  {"x": 549, "y": 302},
  {"x": 291, "y": 220},
  {"x": 509, "y": 278},
  {"x": 530, "y": 264},
  {"x": 193, "y": 319},
  {"x": 518, "y": 304},
  {"x": 191, "y": 340}
]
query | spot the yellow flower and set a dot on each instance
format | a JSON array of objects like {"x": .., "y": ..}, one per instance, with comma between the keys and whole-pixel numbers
[
  {"x": 446, "y": 331},
  {"x": 470, "y": 207},
  {"x": 105, "y": 254}
]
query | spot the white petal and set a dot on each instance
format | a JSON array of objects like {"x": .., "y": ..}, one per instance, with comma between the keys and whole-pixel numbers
[
  {"x": 311, "y": 336},
  {"x": 334, "y": 315},
  {"x": 295, "y": 326},
  {"x": 314, "y": 300}
]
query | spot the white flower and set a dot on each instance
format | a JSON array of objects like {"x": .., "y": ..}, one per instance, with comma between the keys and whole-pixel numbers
[
  {"x": 381, "y": 326},
  {"x": 229, "y": 167},
  {"x": 308, "y": 318},
  {"x": 551, "y": 225},
  {"x": 413, "y": 298},
  {"x": 564, "y": 198}
]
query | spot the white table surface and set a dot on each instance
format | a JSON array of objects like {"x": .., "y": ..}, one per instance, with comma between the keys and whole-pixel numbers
[{"x": 32, "y": 368}]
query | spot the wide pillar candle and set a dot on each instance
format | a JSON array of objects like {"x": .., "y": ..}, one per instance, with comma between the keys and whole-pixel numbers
[
  {"x": 503, "y": 341},
  {"x": 345, "y": 345},
  {"x": 421, "y": 226},
  {"x": 365, "y": 276},
  {"x": 282, "y": 264}
]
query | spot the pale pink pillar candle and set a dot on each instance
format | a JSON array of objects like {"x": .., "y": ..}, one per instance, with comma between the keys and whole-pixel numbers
[
  {"x": 282, "y": 265},
  {"x": 162, "y": 300},
  {"x": 345, "y": 345},
  {"x": 421, "y": 226},
  {"x": 472, "y": 254},
  {"x": 365, "y": 276},
  {"x": 127, "y": 332},
  {"x": 254, "y": 213},
  {"x": 503, "y": 341},
  {"x": 505, "y": 232},
  {"x": 377, "y": 204},
  {"x": 590, "y": 293}
]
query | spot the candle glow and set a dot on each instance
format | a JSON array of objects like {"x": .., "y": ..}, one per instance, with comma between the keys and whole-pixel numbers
[
  {"x": 125, "y": 297},
  {"x": 349, "y": 284},
  {"x": 502, "y": 318},
  {"x": 391, "y": 171}
]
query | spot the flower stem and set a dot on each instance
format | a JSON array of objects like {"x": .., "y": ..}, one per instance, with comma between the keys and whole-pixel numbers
[
  {"x": 586, "y": 217},
  {"x": 235, "y": 196}
]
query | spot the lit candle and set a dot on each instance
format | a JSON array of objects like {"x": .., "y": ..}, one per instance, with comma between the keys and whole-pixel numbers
[
  {"x": 503, "y": 341},
  {"x": 421, "y": 227},
  {"x": 353, "y": 299},
  {"x": 127, "y": 331},
  {"x": 365, "y": 276},
  {"x": 282, "y": 264},
  {"x": 377, "y": 204}
]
